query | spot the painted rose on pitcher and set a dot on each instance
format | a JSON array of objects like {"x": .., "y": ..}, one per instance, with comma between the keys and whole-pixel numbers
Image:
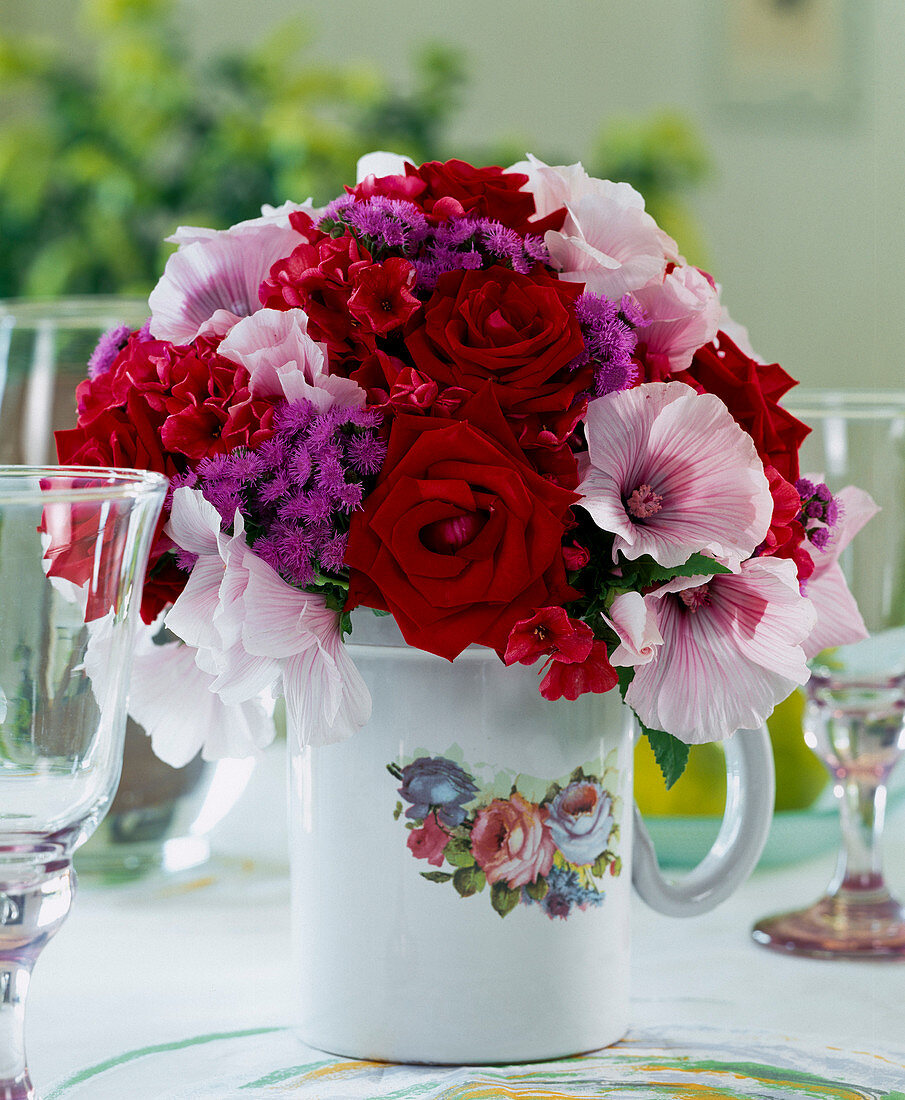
[
  {"x": 552, "y": 852},
  {"x": 433, "y": 782},
  {"x": 580, "y": 820},
  {"x": 511, "y": 841}
]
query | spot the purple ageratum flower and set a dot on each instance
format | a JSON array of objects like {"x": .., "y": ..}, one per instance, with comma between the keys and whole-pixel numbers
[
  {"x": 820, "y": 511},
  {"x": 108, "y": 347},
  {"x": 297, "y": 489},
  {"x": 610, "y": 342},
  {"x": 435, "y": 782},
  {"x": 580, "y": 821}
]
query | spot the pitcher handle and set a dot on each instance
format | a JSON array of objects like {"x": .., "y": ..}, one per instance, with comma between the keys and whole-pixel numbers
[{"x": 750, "y": 788}]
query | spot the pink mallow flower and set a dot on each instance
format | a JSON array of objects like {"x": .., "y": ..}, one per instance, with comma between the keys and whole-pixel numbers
[
  {"x": 732, "y": 650},
  {"x": 511, "y": 841},
  {"x": 253, "y": 631},
  {"x": 283, "y": 361},
  {"x": 212, "y": 279},
  {"x": 429, "y": 841},
  {"x": 634, "y": 620},
  {"x": 670, "y": 473},
  {"x": 608, "y": 241},
  {"x": 839, "y": 621},
  {"x": 682, "y": 314}
]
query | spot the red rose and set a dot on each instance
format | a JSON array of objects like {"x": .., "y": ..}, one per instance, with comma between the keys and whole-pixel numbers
[
  {"x": 518, "y": 332},
  {"x": 455, "y": 187},
  {"x": 460, "y": 538},
  {"x": 751, "y": 391}
]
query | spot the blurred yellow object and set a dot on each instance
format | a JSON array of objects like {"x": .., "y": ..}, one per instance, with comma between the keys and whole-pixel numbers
[
  {"x": 800, "y": 776},
  {"x": 701, "y": 790}
]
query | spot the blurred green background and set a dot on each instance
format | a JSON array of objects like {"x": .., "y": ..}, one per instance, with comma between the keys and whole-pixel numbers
[{"x": 106, "y": 148}]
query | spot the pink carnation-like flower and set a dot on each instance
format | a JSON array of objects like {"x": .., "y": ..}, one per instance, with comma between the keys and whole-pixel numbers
[
  {"x": 511, "y": 841},
  {"x": 732, "y": 650},
  {"x": 670, "y": 474}
]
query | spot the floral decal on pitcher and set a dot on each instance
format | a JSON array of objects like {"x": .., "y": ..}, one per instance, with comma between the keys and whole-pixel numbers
[{"x": 554, "y": 852}]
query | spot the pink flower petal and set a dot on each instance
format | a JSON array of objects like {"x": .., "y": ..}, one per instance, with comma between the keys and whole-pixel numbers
[
  {"x": 724, "y": 666},
  {"x": 220, "y": 271},
  {"x": 635, "y": 621},
  {"x": 683, "y": 314},
  {"x": 714, "y": 497}
]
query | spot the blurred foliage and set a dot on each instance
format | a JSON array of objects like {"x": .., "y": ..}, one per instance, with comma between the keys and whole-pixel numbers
[{"x": 105, "y": 149}]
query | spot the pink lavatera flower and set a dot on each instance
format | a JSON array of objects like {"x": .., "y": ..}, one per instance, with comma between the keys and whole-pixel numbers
[
  {"x": 212, "y": 280},
  {"x": 732, "y": 649},
  {"x": 670, "y": 474},
  {"x": 283, "y": 360},
  {"x": 209, "y": 612},
  {"x": 839, "y": 621},
  {"x": 608, "y": 241},
  {"x": 635, "y": 622},
  {"x": 683, "y": 314},
  {"x": 254, "y": 631},
  {"x": 326, "y": 698}
]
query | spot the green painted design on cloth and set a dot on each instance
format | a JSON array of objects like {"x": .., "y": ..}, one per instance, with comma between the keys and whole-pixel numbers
[{"x": 84, "y": 1075}]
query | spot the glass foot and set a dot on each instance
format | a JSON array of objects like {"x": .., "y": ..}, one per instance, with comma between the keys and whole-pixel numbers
[{"x": 842, "y": 925}]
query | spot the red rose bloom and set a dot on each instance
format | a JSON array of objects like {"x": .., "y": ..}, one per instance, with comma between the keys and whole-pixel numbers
[
  {"x": 460, "y": 538},
  {"x": 455, "y": 187},
  {"x": 751, "y": 391},
  {"x": 519, "y": 332}
]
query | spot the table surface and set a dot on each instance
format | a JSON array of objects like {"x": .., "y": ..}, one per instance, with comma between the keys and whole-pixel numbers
[{"x": 160, "y": 960}]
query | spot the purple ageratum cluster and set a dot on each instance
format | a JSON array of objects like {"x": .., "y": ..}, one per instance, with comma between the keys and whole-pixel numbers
[
  {"x": 819, "y": 513},
  {"x": 297, "y": 489},
  {"x": 610, "y": 340},
  {"x": 472, "y": 244},
  {"x": 386, "y": 225},
  {"x": 395, "y": 226}
]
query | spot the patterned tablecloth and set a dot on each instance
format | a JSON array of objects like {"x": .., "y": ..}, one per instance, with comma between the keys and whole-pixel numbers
[{"x": 699, "y": 1064}]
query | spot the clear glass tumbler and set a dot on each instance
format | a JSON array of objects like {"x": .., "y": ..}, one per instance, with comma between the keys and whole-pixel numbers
[{"x": 74, "y": 545}]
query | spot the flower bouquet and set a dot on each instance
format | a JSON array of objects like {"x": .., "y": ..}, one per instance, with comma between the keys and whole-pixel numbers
[{"x": 494, "y": 404}]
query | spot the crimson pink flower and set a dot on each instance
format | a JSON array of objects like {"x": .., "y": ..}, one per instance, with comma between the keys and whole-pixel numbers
[
  {"x": 382, "y": 299},
  {"x": 549, "y": 631},
  {"x": 511, "y": 841},
  {"x": 570, "y": 679},
  {"x": 429, "y": 841}
]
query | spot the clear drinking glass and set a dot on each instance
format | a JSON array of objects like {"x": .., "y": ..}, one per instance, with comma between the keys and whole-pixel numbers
[
  {"x": 74, "y": 545},
  {"x": 855, "y": 715}
]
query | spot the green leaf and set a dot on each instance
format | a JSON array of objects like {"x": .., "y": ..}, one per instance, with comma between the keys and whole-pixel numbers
[
  {"x": 458, "y": 853},
  {"x": 538, "y": 889},
  {"x": 436, "y": 876},
  {"x": 600, "y": 863},
  {"x": 670, "y": 753},
  {"x": 465, "y": 880},
  {"x": 395, "y": 771},
  {"x": 397, "y": 811},
  {"x": 503, "y": 899}
]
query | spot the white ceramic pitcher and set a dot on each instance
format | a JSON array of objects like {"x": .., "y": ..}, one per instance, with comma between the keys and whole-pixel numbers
[{"x": 461, "y": 868}]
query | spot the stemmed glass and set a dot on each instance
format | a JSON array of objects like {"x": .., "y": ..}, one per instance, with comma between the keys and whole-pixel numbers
[
  {"x": 855, "y": 713},
  {"x": 74, "y": 545}
]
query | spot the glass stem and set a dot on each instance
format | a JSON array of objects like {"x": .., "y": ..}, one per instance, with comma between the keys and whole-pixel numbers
[
  {"x": 14, "y": 978},
  {"x": 31, "y": 910},
  {"x": 862, "y": 805}
]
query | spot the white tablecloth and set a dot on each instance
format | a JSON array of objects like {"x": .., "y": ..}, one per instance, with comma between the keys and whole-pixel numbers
[{"x": 160, "y": 961}]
